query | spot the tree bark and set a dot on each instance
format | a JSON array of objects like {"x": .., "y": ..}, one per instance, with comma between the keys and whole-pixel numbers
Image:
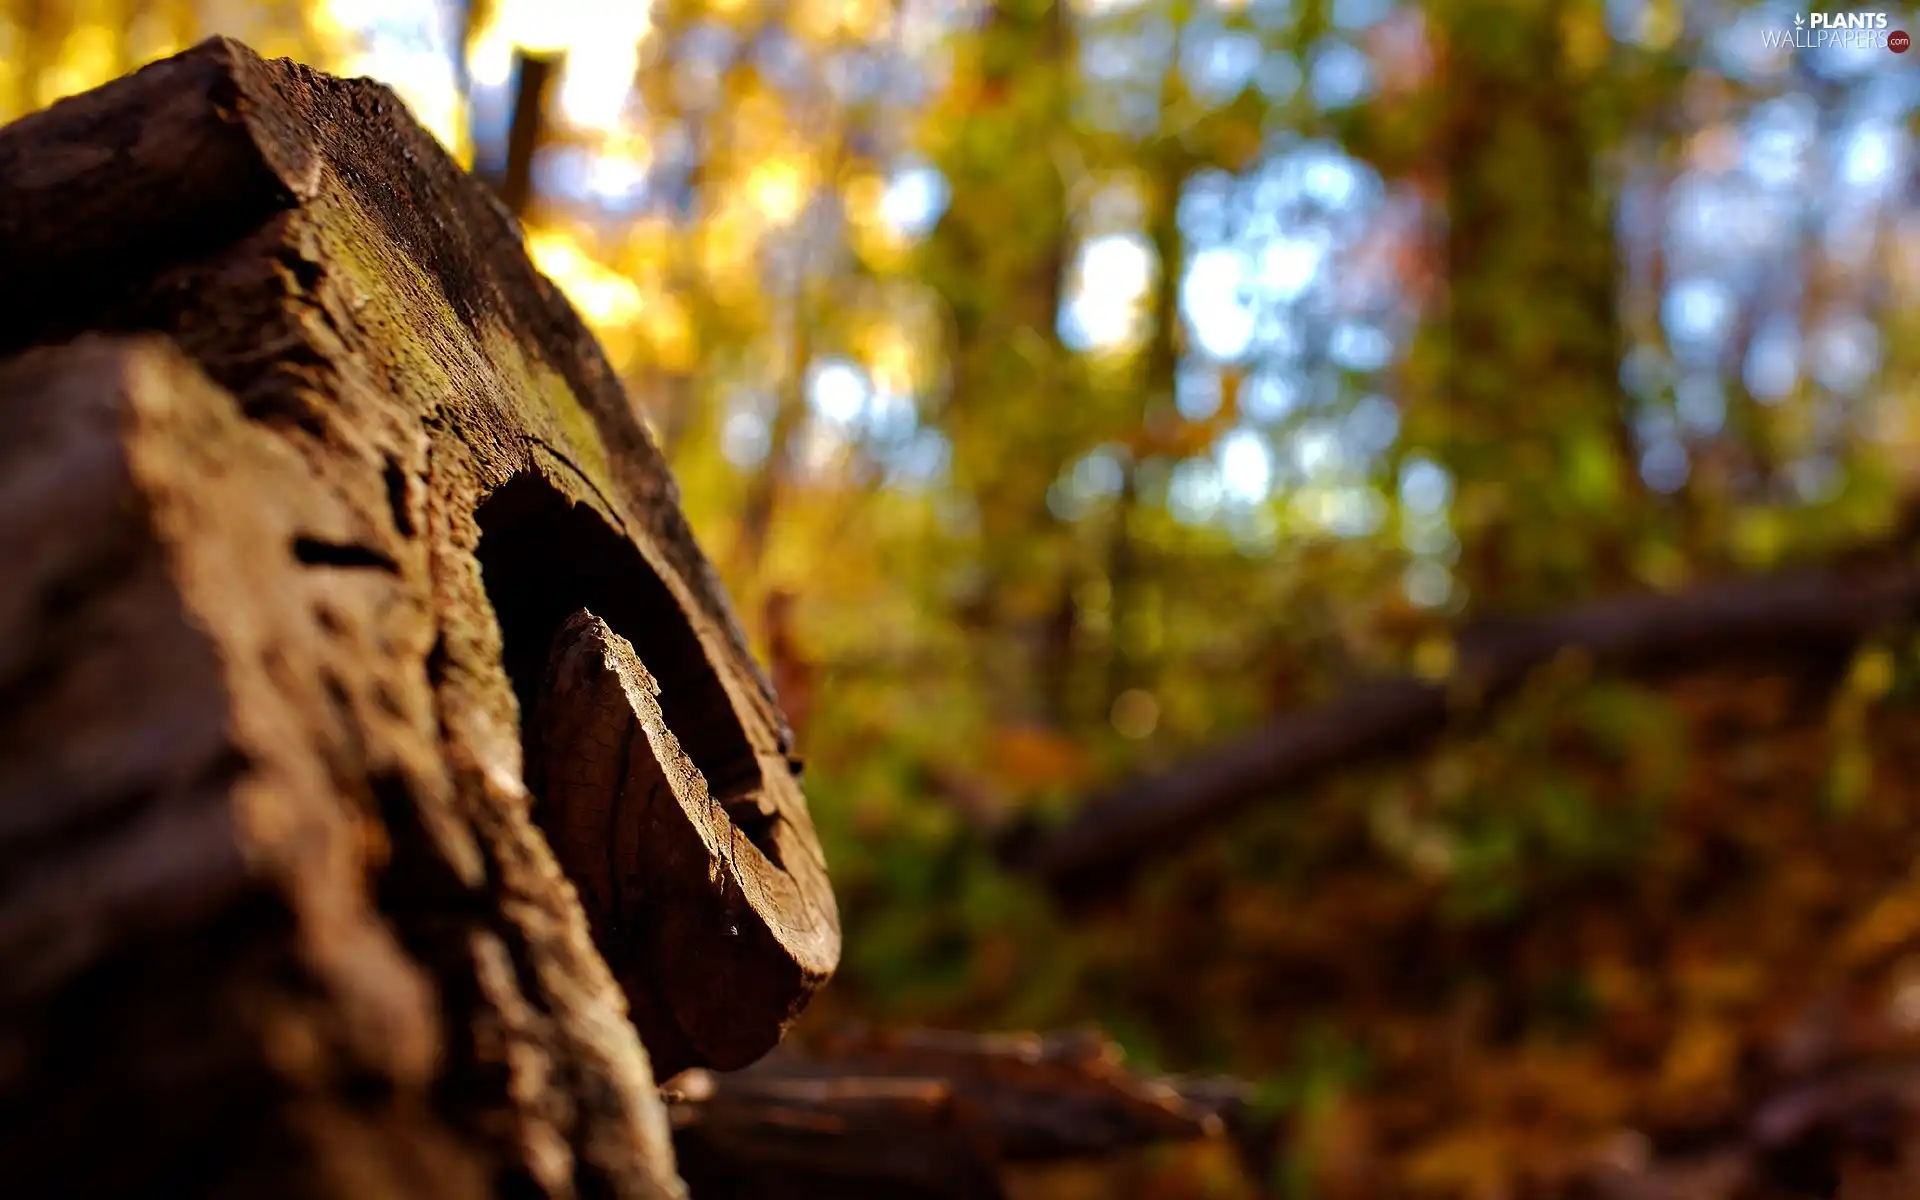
[{"x": 302, "y": 468}]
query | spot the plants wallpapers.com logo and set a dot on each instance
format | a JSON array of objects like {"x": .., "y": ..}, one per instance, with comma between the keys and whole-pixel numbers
[{"x": 1853, "y": 31}]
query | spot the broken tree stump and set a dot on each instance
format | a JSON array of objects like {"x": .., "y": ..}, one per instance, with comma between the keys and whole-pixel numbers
[{"x": 305, "y": 467}]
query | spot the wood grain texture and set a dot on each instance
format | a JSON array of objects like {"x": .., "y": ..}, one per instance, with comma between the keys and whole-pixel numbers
[
  {"x": 383, "y": 462},
  {"x": 190, "y": 961},
  {"x": 712, "y": 936}
]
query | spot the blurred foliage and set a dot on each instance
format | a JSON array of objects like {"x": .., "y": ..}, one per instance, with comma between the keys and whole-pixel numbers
[{"x": 1060, "y": 389}]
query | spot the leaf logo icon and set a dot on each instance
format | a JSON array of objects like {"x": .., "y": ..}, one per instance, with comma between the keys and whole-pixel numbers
[{"x": 1798, "y": 19}]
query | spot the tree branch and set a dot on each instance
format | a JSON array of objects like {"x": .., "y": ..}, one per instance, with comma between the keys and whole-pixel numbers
[
  {"x": 927, "y": 1114},
  {"x": 533, "y": 74}
]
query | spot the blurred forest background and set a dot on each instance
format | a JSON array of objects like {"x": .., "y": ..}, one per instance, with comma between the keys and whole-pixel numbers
[{"x": 1066, "y": 392}]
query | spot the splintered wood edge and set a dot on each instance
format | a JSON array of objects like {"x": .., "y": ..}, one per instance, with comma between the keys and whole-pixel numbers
[{"x": 718, "y": 945}]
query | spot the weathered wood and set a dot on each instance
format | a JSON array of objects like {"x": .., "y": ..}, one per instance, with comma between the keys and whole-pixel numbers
[
  {"x": 899, "y": 1115},
  {"x": 190, "y": 959},
  {"x": 704, "y": 929},
  {"x": 1136, "y": 821},
  {"x": 273, "y": 879}
]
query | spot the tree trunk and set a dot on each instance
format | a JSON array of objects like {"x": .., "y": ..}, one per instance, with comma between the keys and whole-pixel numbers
[
  {"x": 1514, "y": 388},
  {"x": 303, "y": 471}
]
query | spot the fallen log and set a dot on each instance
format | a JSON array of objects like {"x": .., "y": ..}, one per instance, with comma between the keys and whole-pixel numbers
[
  {"x": 1851, "y": 1132},
  {"x": 899, "y": 1115},
  {"x": 302, "y": 468},
  {"x": 1115, "y": 832}
]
